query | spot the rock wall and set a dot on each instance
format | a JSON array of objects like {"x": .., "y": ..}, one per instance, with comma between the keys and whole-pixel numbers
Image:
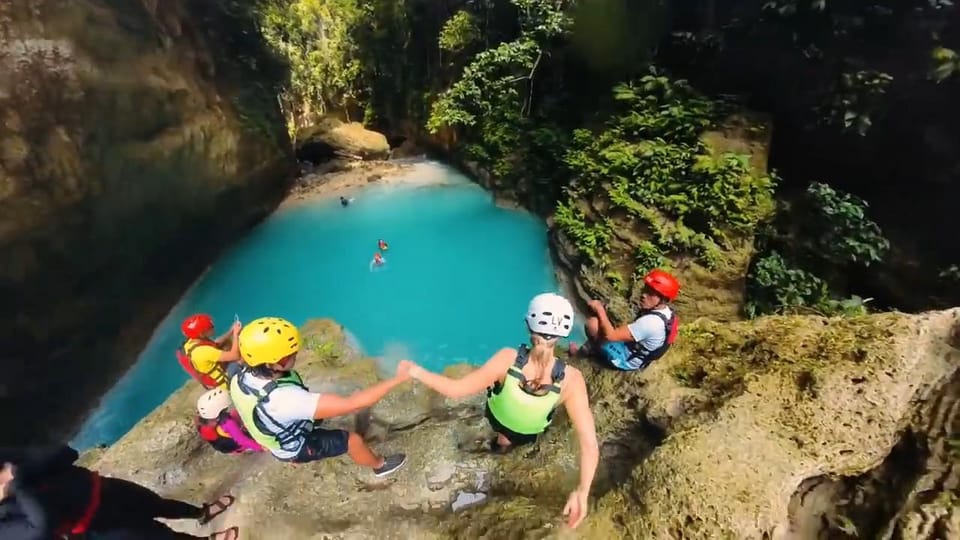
[
  {"x": 136, "y": 138},
  {"x": 716, "y": 440},
  {"x": 716, "y": 293}
]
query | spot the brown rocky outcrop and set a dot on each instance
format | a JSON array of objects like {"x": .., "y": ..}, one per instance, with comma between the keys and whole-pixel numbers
[
  {"x": 721, "y": 438},
  {"x": 136, "y": 138}
]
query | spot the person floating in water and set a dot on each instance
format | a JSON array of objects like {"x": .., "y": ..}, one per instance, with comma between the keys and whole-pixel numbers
[
  {"x": 220, "y": 425},
  {"x": 525, "y": 387},
  {"x": 284, "y": 416},
  {"x": 378, "y": 259},
  {"x": 44, "y": 494},
  {"x": 344, "y": 202},
  {"x": 382, "y": 245}
]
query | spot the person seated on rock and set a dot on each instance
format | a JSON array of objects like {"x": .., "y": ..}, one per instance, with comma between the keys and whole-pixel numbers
[
  {"x": 526, "y": 386},
  {"x": 283, "y": 415},
  {"x": 44, "y": 495},
  {"x": 382, "y": 245},
  {"x": 220, "y": 425},
  {"x": 634, "y": 346},
  {"x": 202, "y": 356}
]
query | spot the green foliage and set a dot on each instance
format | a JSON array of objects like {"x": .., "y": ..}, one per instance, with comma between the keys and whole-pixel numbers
[
  {"x": 775, "y": 286},
  {"x": 649, "y": 161},
  {"x": 856, "y": 99},
  {"x": 491, "y": 104},
  {"x": 665, "y": 108},
  {"x": 493, "y": 82},
  {"x": 459, "y": 32},
  {"x": 946, "y": 64},
  {"x": 591, "y": 238},
  {"x": 648, "y": 256},
  {"x": 488, "y": 86},
  {"x": 828, "y": 231},
  {"x": 617, "y": 281},
  {"x": 315, "y": 36},
  {"x": 838, "y": 228},
  {"x": 825, "y": 62}
]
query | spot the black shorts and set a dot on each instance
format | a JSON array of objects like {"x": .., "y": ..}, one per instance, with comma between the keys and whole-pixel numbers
[
  {"x": 322, "y": 443},
  {"x": 516, "y": 439}
]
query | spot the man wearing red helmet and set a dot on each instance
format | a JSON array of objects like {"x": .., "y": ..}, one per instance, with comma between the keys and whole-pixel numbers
[
  {"x": 634, "y": 346},
  {"x": 202, "y": 356}
]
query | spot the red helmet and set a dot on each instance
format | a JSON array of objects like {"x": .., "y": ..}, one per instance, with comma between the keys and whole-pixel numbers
[
  {"x": 196, "y": 326},
  {"x": 662, "y": 282}
]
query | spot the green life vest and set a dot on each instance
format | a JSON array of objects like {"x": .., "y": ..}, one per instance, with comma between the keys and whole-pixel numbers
[
  {"x": 518, "y": 410},
  {"x": 263, "y": 428}
]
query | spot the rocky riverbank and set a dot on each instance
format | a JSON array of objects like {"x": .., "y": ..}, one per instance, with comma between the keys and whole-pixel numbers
[{"x": 719, "y": 439}]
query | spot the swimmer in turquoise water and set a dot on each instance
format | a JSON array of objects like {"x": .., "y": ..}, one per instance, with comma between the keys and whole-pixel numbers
[
  {"x": 382, "y": 245},
  {"x": 377, "y": 259}
]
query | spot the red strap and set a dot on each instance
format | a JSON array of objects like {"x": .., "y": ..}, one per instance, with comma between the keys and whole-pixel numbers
[
  {"x": 674, "y": 328},
  {"x": 83, "y": 523}
]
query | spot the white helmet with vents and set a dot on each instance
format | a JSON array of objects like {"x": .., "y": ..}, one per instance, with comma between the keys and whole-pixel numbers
[
  {"x": 212, "y": 403},
  {"x": 550, "y": 314}
]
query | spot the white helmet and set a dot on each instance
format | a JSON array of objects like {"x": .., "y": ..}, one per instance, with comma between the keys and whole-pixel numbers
[
  {"x": 212, "y": 403},
  {"x": 550, "y": 314}
]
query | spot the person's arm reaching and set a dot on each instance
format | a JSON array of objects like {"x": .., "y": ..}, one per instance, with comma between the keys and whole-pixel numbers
[
  {"x": 577, "y": 405},
  {"x": 331, "y": 405},
  {"x": 607, "y": 330},
  {"x": 472, "y": 383},
  {"x": 233, "y": 353}
]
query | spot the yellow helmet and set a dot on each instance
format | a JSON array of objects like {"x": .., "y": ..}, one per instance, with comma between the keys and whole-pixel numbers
[{"x": 268, "y": 340}]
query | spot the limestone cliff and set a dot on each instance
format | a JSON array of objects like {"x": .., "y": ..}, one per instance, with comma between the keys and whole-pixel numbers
[
  {"x": 719, "y": 439},
  {"x": 136, "y": 137}
]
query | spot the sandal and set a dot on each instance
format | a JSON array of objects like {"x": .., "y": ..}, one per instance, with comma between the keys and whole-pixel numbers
[
  {"x": 214, "y": 509},
  {"x": 233, "y": 533}
]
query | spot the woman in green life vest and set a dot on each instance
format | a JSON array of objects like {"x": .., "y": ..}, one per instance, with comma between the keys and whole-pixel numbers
[{"x": 525, "y": 387}]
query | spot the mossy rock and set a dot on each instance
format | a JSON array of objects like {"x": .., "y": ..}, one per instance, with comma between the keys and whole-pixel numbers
[
  {"x": 782, "y": 399},
  {"x": 712, "y": 270}
]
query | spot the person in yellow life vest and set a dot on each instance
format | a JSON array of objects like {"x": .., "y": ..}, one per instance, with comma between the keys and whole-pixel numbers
[
  {"x": 524, "y": 389},
  {"x": 284, "y": 416},
  {"x": 202, "y": 356}
]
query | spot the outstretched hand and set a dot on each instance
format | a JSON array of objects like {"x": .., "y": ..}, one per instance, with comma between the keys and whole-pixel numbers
[
  {"x": 576, "y": 508},
  {"x": 403, "y": 369}
]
